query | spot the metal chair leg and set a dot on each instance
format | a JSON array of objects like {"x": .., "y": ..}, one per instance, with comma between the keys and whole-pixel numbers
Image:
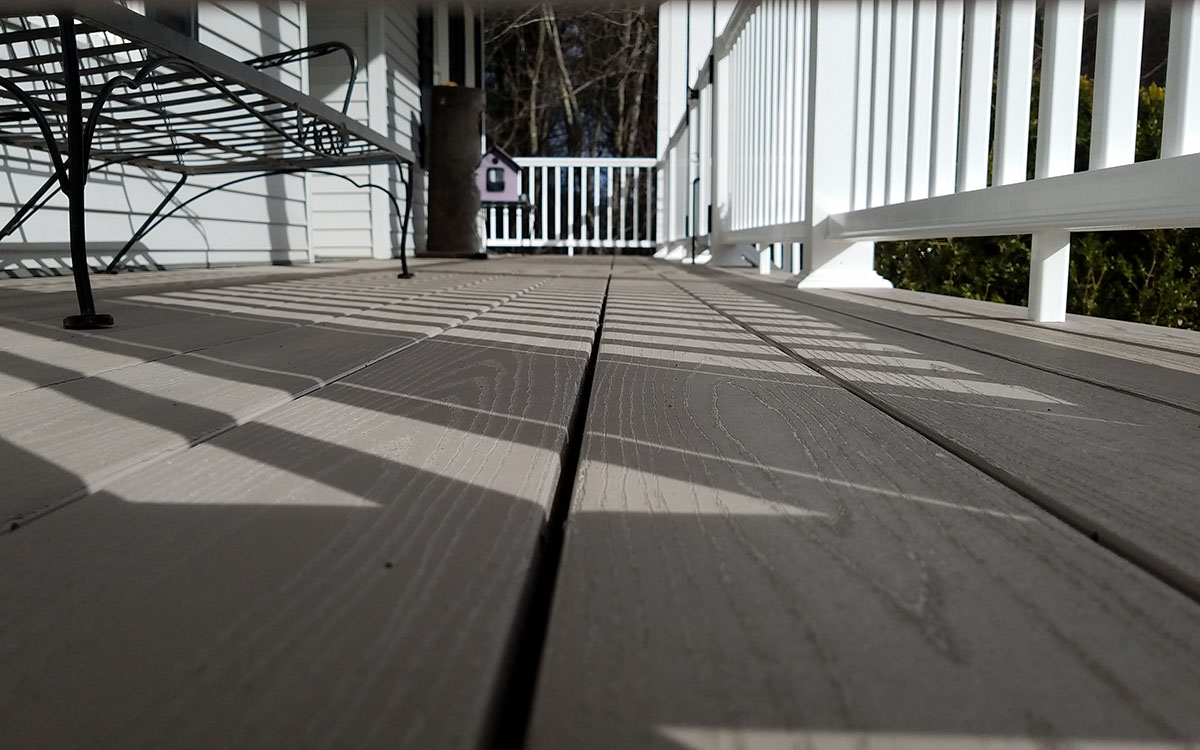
[
  {"x": 77, "y": 173},
  {"x": 404, "y": 219},
  {"x": 115, "y": 265}
]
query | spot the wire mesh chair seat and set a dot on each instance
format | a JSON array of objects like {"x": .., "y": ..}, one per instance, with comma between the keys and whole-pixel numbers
[{"x": 95, "y": 86}]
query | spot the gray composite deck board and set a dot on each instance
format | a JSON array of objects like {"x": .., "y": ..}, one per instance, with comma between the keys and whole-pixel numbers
[
  {"x": 1147, "y": 368},
  {"x": 30, "y": 317},
  {"x": 34, "y": 355},
  {"x": 1120, "y": 467},
  {"x": 1134, "y": 334},
  {"x": 161, "y": 326},
  {"x": 27, "y": 298},
  {"x": 754, "y": 556},
  {"x": 93, "y": 425},
  {"x": 344, "y": 570},
  {"x": 757, "y": 558}
]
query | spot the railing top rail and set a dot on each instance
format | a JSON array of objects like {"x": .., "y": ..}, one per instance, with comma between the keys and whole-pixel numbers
[
  {"x": 721, "y": 46},
  {"x": 584, "y": 161},
  {"x": 1144, "y": 195},
  {"x": 725, "y": 41}
]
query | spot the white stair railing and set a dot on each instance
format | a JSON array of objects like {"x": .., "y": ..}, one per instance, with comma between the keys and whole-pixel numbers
[
  {"x": 577, "y": 204},
  {"x": 836, "y": 124}
]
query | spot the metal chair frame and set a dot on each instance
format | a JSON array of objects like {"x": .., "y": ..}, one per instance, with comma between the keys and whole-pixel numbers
[{"x": 160, "y": 100}]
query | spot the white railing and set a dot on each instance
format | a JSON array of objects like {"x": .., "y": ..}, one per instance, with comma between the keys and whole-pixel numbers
[
  {"x": 579, "y": 203},
  {"x": 834, "y": 124}
]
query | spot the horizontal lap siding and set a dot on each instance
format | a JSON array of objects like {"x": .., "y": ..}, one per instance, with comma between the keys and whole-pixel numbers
[
  {"x": 404, "y": 94},
  {"x": 339, "y": 213},
  {"x": 254, "y": 222},
  {"x": 244, "y": 30}
]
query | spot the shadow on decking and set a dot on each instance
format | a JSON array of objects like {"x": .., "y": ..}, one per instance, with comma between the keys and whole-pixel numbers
[{"x": 845, "y": 601}]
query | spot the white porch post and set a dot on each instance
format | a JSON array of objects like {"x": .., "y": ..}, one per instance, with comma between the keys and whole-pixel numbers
[
  {"x": 829, "y": 173},
  {"x": 1049, "y": 266},
  {"x": 899, "y": 89}
]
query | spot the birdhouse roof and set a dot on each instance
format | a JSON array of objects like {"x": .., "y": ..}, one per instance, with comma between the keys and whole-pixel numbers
[{"x": 498, "y": 153}]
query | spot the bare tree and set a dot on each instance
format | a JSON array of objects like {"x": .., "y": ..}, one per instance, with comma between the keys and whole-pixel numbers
[{"x": 573, "y": 81}]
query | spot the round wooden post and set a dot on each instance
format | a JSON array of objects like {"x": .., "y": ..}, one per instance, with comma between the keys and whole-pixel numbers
[{"x": 454, "y": 153}]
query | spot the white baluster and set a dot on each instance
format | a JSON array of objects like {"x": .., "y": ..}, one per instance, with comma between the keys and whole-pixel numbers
[
  {"x": 544, "y": 204},
  {"x": 570, "y": 211},
  {"x": 920, "y": 114},
  {"x": 637, "y": 201},
  {"x": 610, "y": 193},
  {"x": 1118, "y": 74},
  {"x": 862, "y": 113},
  {"x": 597, "y": 206},
  {"x": 1014, "y": 80},
  {"x": 880, "y": 88},
  {"x": 773, "y": 122},
  {"x": 946, "y": 70},
  {"x": 901, "y": 78},
  {"x": 1058, "y": 101},
  {"x": 979, "y": 39},
  {"x": 1181, "y": 115}
]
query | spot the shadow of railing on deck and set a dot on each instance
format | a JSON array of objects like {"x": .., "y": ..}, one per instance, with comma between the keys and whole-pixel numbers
[{"x": 892, "y": 603}]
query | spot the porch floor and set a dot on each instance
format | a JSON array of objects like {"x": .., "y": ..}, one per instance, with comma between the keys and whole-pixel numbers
[{"x": 589, "y": 503}]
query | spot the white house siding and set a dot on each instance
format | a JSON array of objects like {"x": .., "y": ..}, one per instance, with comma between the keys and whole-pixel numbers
[
  {"x": 339, "y": 214},
  {"x": 404, "y": 105},
  {"x": 275, "y": 219},
  {"x": 346, "y": 221},
  {"x": 260, "y": 221}
]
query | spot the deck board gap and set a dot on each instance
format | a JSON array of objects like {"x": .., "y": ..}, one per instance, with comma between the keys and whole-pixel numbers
[{"x": 511, "y": 714}]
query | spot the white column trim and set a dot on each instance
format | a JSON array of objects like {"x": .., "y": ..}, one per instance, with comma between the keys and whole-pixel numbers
[{"x": 828, "y": 263}]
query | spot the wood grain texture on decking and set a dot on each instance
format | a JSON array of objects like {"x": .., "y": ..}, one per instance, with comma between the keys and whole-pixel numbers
[
  {"x": 1114, "y": 331},
  {"x": 1170, "y": 374},
  {"x": 756, "y": 558},
  {"x": 343, "y": 571},
  {"x": 158, "y": 323},
  {"x": 34, "y": 318},
  {"x": 16, "y": 293},
  {"x": 1118, "y": 466},
  {"x": 92, "y": 427}
]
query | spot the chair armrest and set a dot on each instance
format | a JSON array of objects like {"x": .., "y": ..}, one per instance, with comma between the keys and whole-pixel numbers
[{"x": 307, "y": 53}]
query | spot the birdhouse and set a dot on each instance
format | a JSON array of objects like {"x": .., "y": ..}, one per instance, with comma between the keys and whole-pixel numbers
[{"x": 498, "y": 178}]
